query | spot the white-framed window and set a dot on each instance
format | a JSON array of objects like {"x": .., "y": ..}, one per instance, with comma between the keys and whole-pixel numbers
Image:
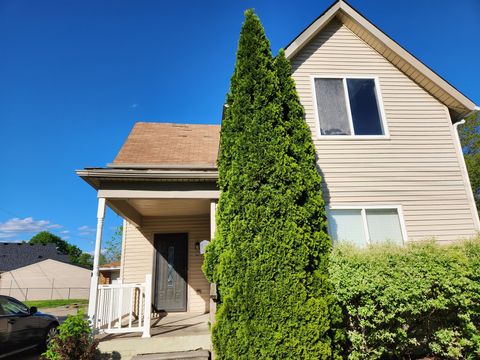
[
  {"x": 364, "y": 225},
  {"x": 349, "y": 107}
]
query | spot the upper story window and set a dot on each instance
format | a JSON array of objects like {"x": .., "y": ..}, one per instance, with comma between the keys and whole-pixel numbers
[{"x": 349, "y": 107}]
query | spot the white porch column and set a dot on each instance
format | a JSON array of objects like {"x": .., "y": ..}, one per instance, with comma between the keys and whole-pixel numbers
[
  {"x": 213, "y": 212},
  {"x": 92, "y": 302},
  {"x": 147, "y": 312},
  {"x": 213, "y": 287}
]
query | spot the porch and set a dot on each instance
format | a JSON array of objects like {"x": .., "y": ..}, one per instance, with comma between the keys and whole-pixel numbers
[
  {"x": 169, "y": 333},
  {"x": 167, "y": 223}
]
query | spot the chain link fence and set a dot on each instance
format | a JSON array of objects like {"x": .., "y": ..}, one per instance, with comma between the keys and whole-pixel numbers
[{"x": 45, "y": 293}]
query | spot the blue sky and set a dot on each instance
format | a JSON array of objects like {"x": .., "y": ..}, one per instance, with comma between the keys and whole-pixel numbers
[{"x": 76, "y": 75}]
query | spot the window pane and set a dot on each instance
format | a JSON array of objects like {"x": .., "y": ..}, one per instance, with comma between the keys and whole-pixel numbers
[
  {"x": 12, "y": 307},
  {"x": 332, "y": 109},
  {"x": 170, "y": 266},
  {"x": 363, "y": 104},
  {"x": 384, "y": 225},
  {"x": 347, "y": 225}
]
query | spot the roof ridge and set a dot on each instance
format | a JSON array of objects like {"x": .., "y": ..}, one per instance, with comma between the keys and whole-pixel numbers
[{"x": 392, "y": 51}]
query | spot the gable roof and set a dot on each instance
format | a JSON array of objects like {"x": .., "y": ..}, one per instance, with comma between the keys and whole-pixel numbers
[
  {"x": 426, "y": 78},
  {"x": 17, "y": 255},
  {"x": 170, "y": 146}
]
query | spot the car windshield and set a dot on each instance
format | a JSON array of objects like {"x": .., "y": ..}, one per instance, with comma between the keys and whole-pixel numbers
[{"x": 11, "y": 307}]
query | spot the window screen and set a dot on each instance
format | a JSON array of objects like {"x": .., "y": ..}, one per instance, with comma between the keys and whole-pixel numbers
[
  {"x": 347, "y": 225},
  {"x": 360, "y": 117},
  {"x": 384, "y": 226},
  {"x": 332, "y": 109}
]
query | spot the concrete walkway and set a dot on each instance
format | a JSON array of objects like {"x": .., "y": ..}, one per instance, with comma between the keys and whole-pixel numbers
[{"x": 61, "y": 312}]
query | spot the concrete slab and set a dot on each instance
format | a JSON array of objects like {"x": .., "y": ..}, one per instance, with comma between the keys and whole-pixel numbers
[
  {"x": 178, "y": 355},
  {"x": 171, "y": 333}
]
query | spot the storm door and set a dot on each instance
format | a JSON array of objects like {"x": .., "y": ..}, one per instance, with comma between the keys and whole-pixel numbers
[{"x": 171, "y": 272}]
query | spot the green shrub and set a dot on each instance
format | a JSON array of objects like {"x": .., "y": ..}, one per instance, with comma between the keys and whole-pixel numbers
[
  {"x": 74, "y": 341},
  {"x": 409, "y": 302},
  {"x": 271, "y": 249}
]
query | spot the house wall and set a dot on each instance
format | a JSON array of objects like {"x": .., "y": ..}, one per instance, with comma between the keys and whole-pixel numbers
[
  {"x": 48, "y": 279},
  {"x": 138, "y": 255},
  {"x": 418, "y": 167},
  {"x": 107, "y": 277}
]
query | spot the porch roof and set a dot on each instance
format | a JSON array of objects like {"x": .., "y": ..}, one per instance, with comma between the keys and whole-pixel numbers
[
  {"x": 161, "y": 152},
  {"x": 169, "y": 145}
]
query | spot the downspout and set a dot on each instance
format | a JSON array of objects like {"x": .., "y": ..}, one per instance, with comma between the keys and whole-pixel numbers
[{"x": 464, "y": 171}]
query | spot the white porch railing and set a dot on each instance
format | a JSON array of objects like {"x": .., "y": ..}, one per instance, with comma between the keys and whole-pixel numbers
[{"x": 124, "y": 308}]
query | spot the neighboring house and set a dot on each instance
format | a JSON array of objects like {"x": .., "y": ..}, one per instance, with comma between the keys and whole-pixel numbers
[
  {"x": 383, "y": 124},
  {"x": 39, "y": 272},
  {"x": 109, "y": 273},
  {"x": 17, "y": 255}
]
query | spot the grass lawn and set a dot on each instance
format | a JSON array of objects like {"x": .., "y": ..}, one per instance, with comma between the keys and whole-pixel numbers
[{"x": 55, "y": 303}]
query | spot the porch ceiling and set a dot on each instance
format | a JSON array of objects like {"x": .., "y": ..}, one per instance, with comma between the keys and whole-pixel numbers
[
  {"x": 134, "y": 210},
  {"x": 170, "y": 207}
]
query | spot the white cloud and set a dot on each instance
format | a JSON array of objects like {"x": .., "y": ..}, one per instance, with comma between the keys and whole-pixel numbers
[
  {"x": 85, "y": 230},
  {"x": 133, "y": 106},
  {"x": 65, "y": 232},
  {"x": 15, "y": 226}
]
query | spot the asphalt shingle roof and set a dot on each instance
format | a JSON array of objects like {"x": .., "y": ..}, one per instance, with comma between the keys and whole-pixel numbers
[
  {"x": 170, "y": 144},
  {"x": 17, "y": 255}
]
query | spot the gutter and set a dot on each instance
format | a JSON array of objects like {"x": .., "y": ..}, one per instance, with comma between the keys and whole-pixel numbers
[
  {"x": 148, "y": 174},
  {"x": 93, "y": 176},
  {"x": 464, "y": 171}
]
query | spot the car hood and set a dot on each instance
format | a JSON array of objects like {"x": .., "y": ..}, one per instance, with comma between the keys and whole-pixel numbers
[{"x": 43, "y": 315}]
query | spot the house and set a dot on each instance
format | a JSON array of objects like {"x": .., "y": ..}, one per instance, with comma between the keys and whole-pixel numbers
[
  {"x": 385, "y": 129},
  {"x": 40, "y": 272},
  {"x": 109, "y": 273},
  {"x": 20, "y": 254}
]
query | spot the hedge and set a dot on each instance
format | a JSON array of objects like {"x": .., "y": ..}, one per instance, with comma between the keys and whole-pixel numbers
[
  {"x": 270, "y": 253},
  {"x": 421, "y": 300}
]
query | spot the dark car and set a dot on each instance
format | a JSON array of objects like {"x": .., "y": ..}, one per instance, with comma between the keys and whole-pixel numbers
[{"x": 23, "y": 328}]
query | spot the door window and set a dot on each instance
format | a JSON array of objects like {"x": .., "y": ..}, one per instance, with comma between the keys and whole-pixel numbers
[{"x": 170, "y": 255}]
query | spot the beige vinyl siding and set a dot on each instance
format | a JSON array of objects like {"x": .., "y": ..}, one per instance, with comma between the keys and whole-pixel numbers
[
  {"x": 417, "y": 167},
  {"x": 139, "y": 256}
]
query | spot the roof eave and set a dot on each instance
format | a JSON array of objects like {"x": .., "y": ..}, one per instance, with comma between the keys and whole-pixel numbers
[{"x": 95, "y": 175}]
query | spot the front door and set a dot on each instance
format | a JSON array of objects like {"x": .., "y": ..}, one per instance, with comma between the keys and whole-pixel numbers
[{"x": 171, "y": 272}]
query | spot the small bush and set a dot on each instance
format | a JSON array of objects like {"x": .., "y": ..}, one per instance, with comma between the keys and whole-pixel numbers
[
  {"x": 409, "y": 302},
  {"x": 74, "y": 341}
]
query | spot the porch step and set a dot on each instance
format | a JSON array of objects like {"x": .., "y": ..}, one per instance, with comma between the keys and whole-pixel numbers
[
  {"x": 178, "y": 355},
  {"x": 128, "y": 348}
]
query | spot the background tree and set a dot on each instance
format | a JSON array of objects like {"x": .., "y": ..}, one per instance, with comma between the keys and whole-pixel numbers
[
  {"x": 270, "y": 252},
  {"x": 113, "y": 247},
  {"x": 470, "y": 139},
  {"x": 75, "y": 254}
]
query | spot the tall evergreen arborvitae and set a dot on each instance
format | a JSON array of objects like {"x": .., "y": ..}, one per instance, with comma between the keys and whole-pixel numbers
[{"x": 270, "y": 253}]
